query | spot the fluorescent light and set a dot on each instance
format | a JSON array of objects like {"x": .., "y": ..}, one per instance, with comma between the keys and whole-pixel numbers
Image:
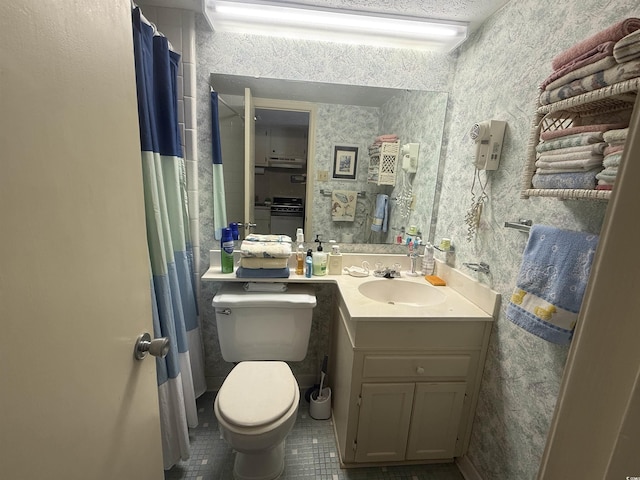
[{"x": 332, "y": 25}]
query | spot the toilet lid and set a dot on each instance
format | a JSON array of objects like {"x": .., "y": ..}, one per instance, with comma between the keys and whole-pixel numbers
[{"x": 257, "y": 393}]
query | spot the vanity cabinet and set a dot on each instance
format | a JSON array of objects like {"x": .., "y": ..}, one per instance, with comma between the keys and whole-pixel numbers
[{"x": 405, "y": 391}]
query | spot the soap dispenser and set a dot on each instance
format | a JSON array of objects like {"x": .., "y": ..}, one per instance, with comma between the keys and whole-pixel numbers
[
  {"x": 319, "y": 260},
  {"x": 335, "y": 259}
]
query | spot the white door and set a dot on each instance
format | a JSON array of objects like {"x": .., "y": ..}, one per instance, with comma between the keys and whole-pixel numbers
[
  {"x": 383, "y": 424},
  {"x": 249, "y": 160},
  {"x": 74, "y": 281}
]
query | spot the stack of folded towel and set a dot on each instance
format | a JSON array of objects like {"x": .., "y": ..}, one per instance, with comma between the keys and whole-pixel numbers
[
  {"x": 615, "y": 140},
  {"x": 386, "y": 138},
  {"x": 571, "y": 157},
  {"x": 264, "y": 256},
  {"x": 608, "y": 57}
]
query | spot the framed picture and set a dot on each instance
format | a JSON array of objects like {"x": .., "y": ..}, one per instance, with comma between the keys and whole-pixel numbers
[{"x": 345, "y": 162}]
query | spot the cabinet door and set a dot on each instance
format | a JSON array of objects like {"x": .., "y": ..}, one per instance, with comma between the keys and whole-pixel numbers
[
  {"x": 437, "y": 408},
  {"x": 383, "y": 424}
]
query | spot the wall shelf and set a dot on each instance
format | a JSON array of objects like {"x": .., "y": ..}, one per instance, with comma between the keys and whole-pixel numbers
[{"x": 574, "y": 111}]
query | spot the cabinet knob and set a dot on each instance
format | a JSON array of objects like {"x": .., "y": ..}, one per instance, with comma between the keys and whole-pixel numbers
[{"x": 420, "y": 371}]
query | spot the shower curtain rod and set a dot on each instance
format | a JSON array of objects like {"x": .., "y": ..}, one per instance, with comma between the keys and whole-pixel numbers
[{"x": 221, "y": 100}]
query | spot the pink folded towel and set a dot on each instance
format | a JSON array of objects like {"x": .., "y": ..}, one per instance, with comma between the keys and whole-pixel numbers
[
  {"x": 551, "y": 134},
  {"x": 612, "y": 34},
  {"x": 594, "y": 55}
]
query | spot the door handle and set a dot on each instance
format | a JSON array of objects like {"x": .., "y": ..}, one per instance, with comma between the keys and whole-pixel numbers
[{"x": 158, "y": 347}]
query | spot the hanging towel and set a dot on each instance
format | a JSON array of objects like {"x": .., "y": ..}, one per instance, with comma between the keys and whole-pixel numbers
[
  {"x": 551, "y": 283},
  {"x": 242, "y": 272},
  {"x": 381, "y": 215},
  {"x": 343, "y": 205}
]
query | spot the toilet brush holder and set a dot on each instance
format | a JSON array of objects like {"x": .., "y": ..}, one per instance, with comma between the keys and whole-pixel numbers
[{"x": 320, "y": 404}]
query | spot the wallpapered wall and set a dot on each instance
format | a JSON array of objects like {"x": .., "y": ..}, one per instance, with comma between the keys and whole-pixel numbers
[{"x": 495, "y": 75}]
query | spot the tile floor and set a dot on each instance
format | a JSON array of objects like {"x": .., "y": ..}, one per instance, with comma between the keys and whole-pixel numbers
[{"x": 310, "y": 454}]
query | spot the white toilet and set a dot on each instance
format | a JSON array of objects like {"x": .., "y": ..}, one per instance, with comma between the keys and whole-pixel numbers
[{"x": 257, "y": 404}]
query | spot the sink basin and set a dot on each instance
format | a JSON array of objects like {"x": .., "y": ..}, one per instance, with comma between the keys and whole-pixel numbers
[{"x": 402, "y": 292}]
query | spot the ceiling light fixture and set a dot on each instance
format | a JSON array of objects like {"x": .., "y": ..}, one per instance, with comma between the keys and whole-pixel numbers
[{"x": 304, "y": 22}]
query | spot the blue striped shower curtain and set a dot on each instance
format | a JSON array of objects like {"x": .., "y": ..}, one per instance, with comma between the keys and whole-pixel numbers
[{"x": 181, "y": 373}]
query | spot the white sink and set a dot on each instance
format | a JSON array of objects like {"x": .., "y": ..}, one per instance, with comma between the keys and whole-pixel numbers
[{"x": 402, "y": 292}]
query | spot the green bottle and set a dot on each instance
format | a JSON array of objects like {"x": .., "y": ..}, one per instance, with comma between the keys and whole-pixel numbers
[{"x": 226, "y": 251}]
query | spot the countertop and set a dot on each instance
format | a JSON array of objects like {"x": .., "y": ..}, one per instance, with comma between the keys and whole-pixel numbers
[{"x": 361, "y": 308}]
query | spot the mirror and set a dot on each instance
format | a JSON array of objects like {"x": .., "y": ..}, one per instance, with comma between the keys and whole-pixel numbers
[{"x": 348, "y": 119}]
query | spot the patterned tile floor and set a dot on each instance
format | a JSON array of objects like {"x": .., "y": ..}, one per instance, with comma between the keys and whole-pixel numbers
[{"x": 310, "y": 454}]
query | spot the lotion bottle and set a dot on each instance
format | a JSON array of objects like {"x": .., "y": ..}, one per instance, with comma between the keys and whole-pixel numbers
[{"x": 335, "y": 260}]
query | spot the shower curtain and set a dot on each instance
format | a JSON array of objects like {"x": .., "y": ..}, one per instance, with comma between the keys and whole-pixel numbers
[
  {"x": 181, "y": 373},
  {"x": 219, "y": 197}
]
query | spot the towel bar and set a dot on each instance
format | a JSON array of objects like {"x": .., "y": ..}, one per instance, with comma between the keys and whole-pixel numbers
[
  {"x": 327, "y": 193},
  {"x": 522, "y": 225}
]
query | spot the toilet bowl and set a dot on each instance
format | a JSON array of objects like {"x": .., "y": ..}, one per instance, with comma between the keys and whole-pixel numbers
[{"x": 256, "y": 409}]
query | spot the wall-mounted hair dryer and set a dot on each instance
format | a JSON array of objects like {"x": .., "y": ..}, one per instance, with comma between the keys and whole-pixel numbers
[{"x": 488, "y": 136}]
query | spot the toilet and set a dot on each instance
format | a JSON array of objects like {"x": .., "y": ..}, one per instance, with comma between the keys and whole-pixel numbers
[{"x": 257, "y": 403}]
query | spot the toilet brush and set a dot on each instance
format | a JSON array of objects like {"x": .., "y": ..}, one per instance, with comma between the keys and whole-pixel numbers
[{"x": 323, "y": 373}]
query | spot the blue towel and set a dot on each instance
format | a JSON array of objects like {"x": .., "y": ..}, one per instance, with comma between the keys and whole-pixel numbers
[
  {"x": 381, "y": 214},
  {"x": 575, "y": 180},
  {"x": 242, "y": 272},
  {"x": 551, "y": 283}
]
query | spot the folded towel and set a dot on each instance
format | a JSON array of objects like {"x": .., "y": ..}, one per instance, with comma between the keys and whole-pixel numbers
[
  {"x": 566, "y": 132},
  {"x": 578, "y": 180},
  {"x": 381, "y": 215},
  {"x": 615, "y": 135},
  {"x": 563, "y": 156},
  {"x": 265, "y": 287},
  {"x": 604, "y": 187},
  {"x": 258, "y": 262},
  {"x": 618, "y": 73},
  {"x": 569, "y": 141},
  {"x": 551, "y": 282},
  {"x": 594, "y": 55},
  {"x": 242, "y": 272},
  {"x": 389, "y": 138},
  {"x": 590, "y": 150},
  {"x": 611, "y": 34},
  {"x": 613, "y": 149},
  {"x": 568, "y": 165},
  {"x": 609, "y": 174},
  {"x": 250, "y": 248},
  {"x": 627, "y": 48},
  {"x": 584, "y": 71},
  {"x": 612, "y": 160},
  {"x": 257, "y": 237},
  {"x": 343, "y": 205}
]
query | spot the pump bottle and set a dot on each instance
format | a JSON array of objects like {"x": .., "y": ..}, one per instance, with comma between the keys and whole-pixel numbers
[{"x": 300, "y": 253}]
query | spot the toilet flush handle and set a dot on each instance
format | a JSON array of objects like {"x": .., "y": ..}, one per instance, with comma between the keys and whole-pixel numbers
[{"x": 158, "y": 347}]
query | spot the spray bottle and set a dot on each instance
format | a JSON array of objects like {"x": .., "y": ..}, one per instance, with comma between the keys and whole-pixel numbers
[{"x": 226, "y": 251}]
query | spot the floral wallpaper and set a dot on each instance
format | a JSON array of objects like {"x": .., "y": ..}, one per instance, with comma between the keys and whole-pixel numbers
[{"x": 494, "y": 74}]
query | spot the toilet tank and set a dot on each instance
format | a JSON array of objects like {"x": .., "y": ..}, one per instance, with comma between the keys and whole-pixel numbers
[{"x": 264, "y": 325}]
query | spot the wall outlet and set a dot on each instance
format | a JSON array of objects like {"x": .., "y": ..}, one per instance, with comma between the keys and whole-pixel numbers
[{"x": 322, "y": 175}]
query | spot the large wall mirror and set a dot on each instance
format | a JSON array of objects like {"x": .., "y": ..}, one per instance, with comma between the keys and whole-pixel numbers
[{"x": 312, "y": 157}]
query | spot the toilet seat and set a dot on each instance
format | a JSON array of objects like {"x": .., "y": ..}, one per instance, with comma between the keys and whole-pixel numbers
[{"x": 257, "y": 393}]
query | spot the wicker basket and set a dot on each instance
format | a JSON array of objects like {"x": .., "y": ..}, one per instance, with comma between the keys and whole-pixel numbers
[
  {"x": 383, "y": 166},
  {"x": 572, "y": 112}
]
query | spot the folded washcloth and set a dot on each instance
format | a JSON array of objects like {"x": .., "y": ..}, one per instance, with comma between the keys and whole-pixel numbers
[
  {"x": 388, "y": 138},
  {"x": 604, "y": 187},
  {"x": 566, "y": 132},
  {"x": 577, "y": 180},
  {"x": 258, "y": 262},
  {"x": 251, "y": 248},
  {"x": 257, "y": 237},
  {"x": 584, "y": 71},
  {"x": 381, "y": 215},
  {"x": 262, "y": 273},
  {"x": 265, "y": 287},
  {"x": 569, "y": 141},
  {"x": 615, "y": 135},
  {"x": 343, "y": 205},
  {"x": 618, "y": 73},
  {"x": 612, "y": 160},
  {"x": 551, "y": 282},
  {"x": 627, "y": 48},
  {"x": 611, "y": 34},
  {"x": 608, "y": 174},
  {"x": 594, "y": 55},
  {"x": 568, "y": 165}
]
